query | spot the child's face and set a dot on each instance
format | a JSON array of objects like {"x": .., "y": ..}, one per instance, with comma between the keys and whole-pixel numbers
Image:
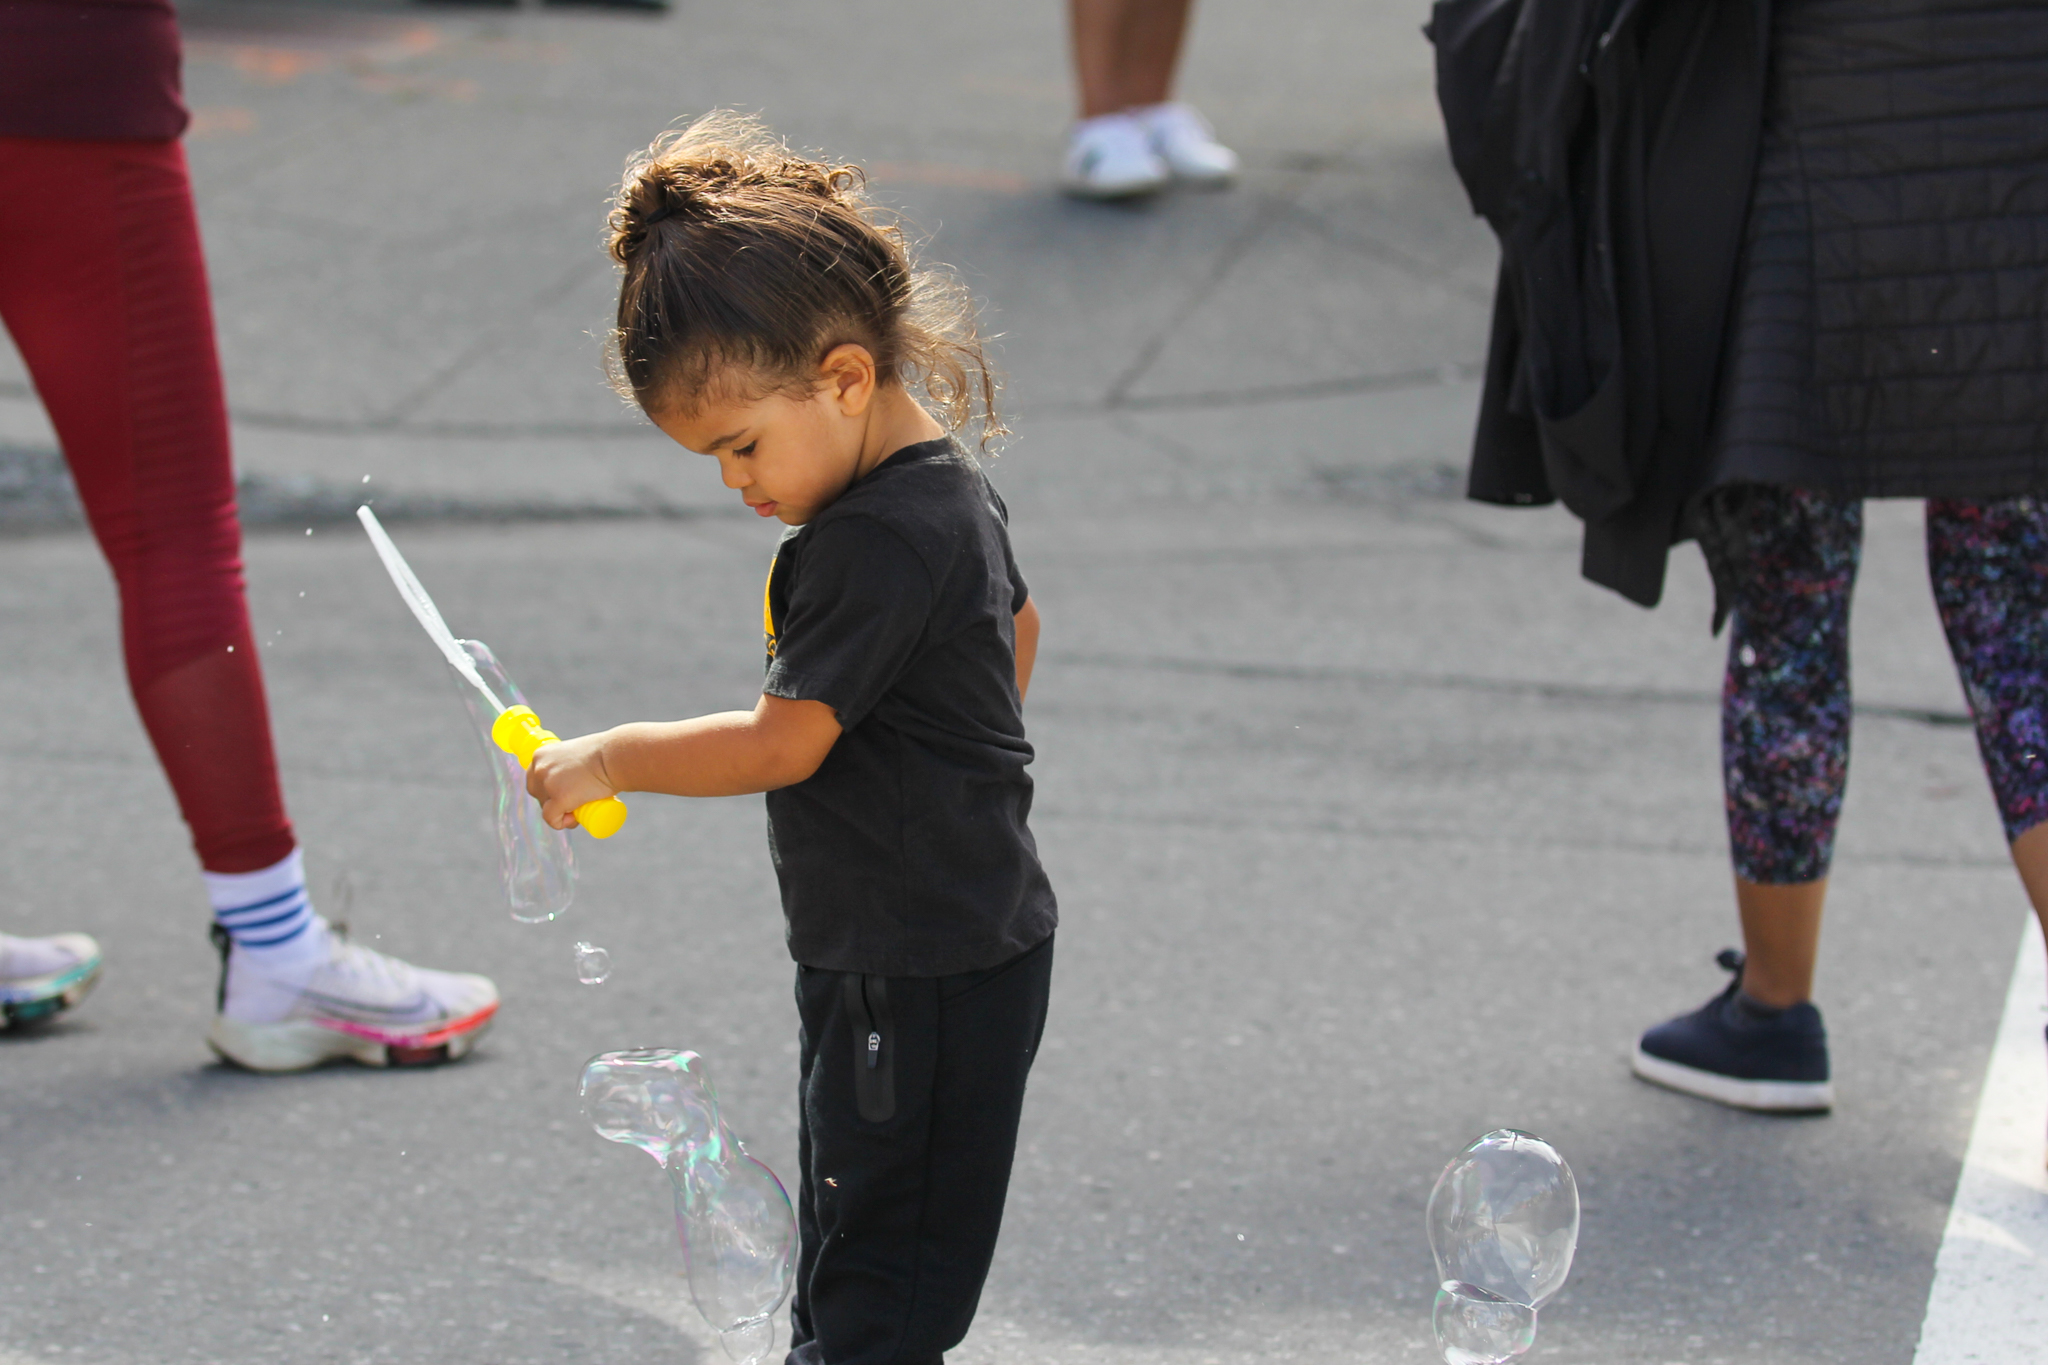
[{"x": 788, "y": 458}]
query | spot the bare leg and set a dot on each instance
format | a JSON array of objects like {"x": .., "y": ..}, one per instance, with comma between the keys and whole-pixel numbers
[
  {"x": 1781, "y": 936},
  {"x": 2030, "y": 856},
  {"x": 1125, "y": 51},
  {"x": 1781, "y": 924}
]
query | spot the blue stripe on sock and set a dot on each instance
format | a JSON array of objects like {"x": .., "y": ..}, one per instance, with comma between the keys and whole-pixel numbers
[
  {"x": 235, "y": 931},
  {"x": 279, "y": 899},
  {"x": 303, "y": 926}
]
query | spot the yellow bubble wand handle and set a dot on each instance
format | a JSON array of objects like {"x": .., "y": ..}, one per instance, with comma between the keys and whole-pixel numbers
[{"x": 518, "y": 731}]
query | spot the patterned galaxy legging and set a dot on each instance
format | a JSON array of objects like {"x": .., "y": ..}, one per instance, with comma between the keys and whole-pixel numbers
[{"x": 1785, "y": 703}]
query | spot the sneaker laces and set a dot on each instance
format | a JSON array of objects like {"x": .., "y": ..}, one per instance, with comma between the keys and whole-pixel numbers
[
  {"x": 372, "y": 969},
  {"x": 1747, "y": 1007},
  {"x": 1109, "y": 135},
  {"x": 21, "y": 958},
  {"x": 1175, "y": 120},
  {"x": 1730, "y": 960}
]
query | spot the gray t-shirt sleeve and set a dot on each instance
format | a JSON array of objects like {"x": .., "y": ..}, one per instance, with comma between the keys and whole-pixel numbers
[{"x": 857, "y": 614}]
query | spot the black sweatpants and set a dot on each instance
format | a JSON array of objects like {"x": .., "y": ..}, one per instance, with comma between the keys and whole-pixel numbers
[{"x": 911, "y": 1092}]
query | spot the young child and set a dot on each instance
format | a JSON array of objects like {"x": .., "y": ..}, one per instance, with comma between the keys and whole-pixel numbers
[{"x": 768, "y": 321}]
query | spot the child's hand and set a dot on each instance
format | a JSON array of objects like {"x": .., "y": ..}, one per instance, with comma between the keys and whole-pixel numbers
[{"x": 566, "y": 775}]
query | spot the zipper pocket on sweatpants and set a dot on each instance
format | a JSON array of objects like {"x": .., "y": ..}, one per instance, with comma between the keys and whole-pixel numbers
[{"x": 874, "y": 1046}]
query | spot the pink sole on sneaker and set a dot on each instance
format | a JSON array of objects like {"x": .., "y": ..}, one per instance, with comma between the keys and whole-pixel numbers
[{"x": 300, "y": 1045}]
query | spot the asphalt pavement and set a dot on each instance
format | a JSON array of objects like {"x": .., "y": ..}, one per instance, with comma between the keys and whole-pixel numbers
[{"x": 1373, "y": 827}]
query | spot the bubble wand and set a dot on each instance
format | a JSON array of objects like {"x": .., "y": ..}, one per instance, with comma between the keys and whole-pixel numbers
[{"x": 517, "y": 730}]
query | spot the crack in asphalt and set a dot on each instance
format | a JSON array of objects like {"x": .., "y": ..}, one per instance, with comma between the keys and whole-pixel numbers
[
  {"x": 1053, "y": 812},
  {"x": 1395, "y": 679},
  {"x": 37, "y": 494}
]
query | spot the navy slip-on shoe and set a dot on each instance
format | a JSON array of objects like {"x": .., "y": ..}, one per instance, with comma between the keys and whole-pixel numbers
[{"x": 1737, "y": 1054}]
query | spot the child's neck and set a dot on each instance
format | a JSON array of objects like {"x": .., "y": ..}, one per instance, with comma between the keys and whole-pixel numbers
[{"x": 895, "y": 420}]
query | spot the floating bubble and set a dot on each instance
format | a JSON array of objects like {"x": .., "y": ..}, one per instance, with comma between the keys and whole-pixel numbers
[
  {"x": 1505, "y": 1216},
  {"x": 749, "y": 1341},
  {"x": 535, "y": 862},
  {"x": 593, "y": 964},
  {"x": 733, "y": 1217},
  {"x": 1503, "y": 1223},
  {"x": 739, "y": 1243},
  {"x": 1475, "y": 1327},
  {"x": 650, "y": 1098}
]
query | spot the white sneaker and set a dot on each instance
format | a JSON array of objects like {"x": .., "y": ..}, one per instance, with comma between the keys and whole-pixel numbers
[
  {"x": 1111, "y": 157},
  {"x": 351, "y": 1002},
  {"x": 1185, "y": 142},
  {"x": 40, "y": 976}
]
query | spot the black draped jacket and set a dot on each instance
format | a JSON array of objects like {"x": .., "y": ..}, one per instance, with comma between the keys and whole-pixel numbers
[{"x": 1797, "y": 242}]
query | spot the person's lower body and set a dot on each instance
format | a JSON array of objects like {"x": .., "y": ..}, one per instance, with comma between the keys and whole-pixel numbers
[
  {"x": 1133, "y": 138},
  {"x": 1761, "y": 1044},
  {"x": 911, "y": 1092},
  {"x": 103, "y": 288}
]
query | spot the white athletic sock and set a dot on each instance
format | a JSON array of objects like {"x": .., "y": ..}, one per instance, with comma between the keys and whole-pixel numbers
[{"x": 269, "y": 915}]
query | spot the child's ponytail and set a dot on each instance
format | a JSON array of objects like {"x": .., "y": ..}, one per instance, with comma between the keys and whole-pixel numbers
[{"x": 744, "y": 264}]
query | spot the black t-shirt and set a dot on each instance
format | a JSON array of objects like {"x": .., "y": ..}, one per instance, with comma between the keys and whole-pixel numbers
[{"x": 907, "y": 852}]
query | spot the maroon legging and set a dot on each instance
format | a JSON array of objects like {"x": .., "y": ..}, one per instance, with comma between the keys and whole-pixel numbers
[{"x": 103, "y": 287}]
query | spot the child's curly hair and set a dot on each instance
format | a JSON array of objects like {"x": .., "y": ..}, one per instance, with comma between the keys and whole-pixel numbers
[{"x": 744, "y": 263}]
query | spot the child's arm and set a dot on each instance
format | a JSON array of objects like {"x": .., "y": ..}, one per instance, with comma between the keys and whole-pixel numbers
[
  {"x": 734, "y": 753},
  {"x": 1027, "y": 645}
]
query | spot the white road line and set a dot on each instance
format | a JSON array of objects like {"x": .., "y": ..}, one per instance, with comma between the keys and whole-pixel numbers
[{"x": 1989, "y": 1300}]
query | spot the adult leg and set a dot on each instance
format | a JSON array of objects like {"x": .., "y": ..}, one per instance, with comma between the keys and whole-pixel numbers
[
  {"x": 105, "y": 294},
  {"x": 1760, "y": 1044},
  {"x": 906, "y": 1164},
  {"x": 1988, "y": 562},
  {"x": 1785, "y": 728},
  {"x": 104, "y": 288},
  {"x": 1125, "y": 51}
]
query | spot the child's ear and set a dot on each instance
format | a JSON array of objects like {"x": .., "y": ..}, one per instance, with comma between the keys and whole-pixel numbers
[{"x": 848, "y": 375}]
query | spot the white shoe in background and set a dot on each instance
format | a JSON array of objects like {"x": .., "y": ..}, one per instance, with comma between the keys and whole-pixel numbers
[
  {"x": 350, "y": 1002},
  {"x": 1112, "y": 157},
  {"x": 40, "y": 976},
  {"x": 1184, "y": 141}
]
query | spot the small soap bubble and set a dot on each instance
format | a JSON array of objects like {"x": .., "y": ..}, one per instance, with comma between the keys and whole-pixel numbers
[
  {"x": 1476, "y": 1327},
  {"x": 1503, "y": 1223},
  {"x": 593, "y": 964}
]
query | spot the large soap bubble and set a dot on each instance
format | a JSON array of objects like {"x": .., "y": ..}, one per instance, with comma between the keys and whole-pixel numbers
[
  {"x": 1503, "y": 1223},
  {"x": 536, "y": 863},
  {"x": 732, "y": 1215}
]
